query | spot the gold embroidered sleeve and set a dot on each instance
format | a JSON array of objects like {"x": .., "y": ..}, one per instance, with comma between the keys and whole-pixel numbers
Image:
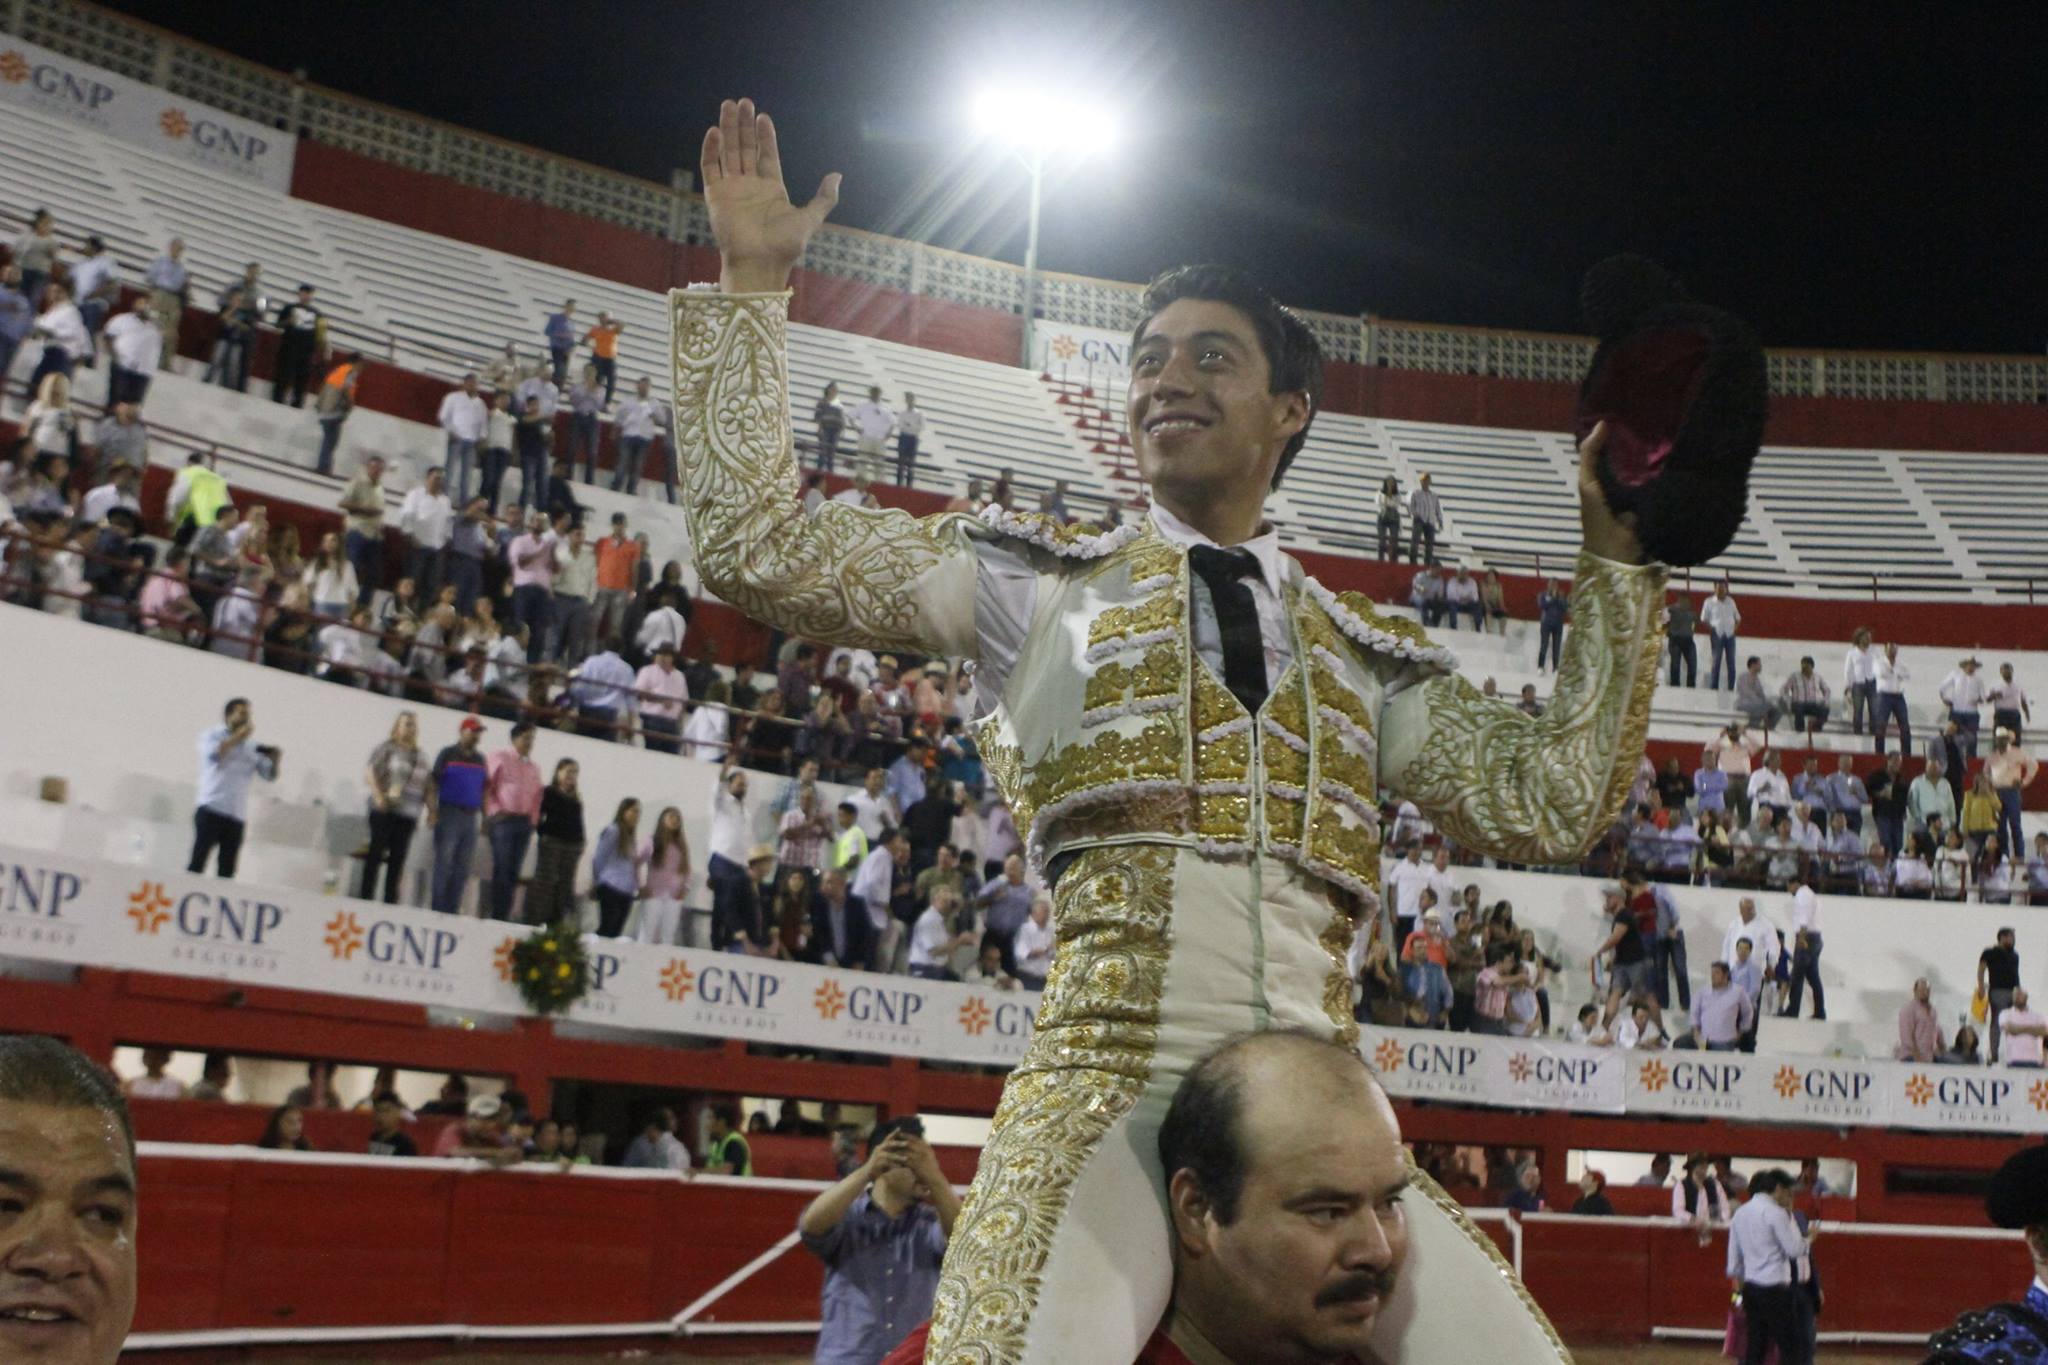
[
  {"x": 841, "y": 575},
  {"x": 1537, "y": 789}
]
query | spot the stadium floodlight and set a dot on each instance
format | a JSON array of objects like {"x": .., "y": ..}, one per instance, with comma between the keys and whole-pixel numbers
[{"x": 1039, "y": 124}]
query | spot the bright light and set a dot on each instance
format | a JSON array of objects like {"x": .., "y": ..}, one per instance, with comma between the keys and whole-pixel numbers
[{"x": 1047, "y": 120}]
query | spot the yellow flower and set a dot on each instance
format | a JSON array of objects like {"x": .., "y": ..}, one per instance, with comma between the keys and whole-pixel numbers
[
  {"x": 564, "y": 970},
  {"x": 547, "y": 945},
  {"x": 533, "y": 973}
]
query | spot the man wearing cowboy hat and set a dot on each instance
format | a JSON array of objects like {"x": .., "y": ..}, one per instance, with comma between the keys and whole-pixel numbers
[{"x": 1963, "y": 693}]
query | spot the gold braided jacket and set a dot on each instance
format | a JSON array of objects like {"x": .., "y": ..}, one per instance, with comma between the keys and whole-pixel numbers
[{"x": 1111, "y": 729}]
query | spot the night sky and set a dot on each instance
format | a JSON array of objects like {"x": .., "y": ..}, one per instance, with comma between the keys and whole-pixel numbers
[{"x": 1842, "y": 180}]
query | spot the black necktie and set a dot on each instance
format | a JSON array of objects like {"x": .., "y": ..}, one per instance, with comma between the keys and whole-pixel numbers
[{"x": 1237, "y": 619}]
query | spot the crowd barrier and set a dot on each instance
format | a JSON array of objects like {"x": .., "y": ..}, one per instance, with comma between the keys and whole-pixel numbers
[{"x": 240, "y": 1247}]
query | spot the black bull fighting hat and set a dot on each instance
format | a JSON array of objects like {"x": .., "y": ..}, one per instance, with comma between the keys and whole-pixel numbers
[{"x": 1682, "y": 388}]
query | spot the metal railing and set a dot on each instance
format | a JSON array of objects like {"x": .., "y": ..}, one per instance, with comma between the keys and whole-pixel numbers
[{"x": 210, "y": 76}]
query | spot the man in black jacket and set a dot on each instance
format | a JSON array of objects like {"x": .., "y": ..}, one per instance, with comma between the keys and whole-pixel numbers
[{"x": 842, "y": 935}]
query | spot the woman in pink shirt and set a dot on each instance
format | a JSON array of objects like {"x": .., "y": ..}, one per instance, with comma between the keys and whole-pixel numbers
[
  {"x": 665, "y": 882},
  {"x": 168, "y": 611}
]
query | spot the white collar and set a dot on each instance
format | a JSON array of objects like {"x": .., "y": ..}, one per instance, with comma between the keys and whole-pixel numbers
[{"x": 1265, "y": 546}]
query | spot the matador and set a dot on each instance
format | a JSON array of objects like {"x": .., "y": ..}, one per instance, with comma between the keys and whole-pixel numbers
[{"x": 1194, "y": 737}]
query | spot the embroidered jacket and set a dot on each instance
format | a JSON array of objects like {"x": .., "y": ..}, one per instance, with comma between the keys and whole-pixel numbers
[{"x": 1111, "y": 728}]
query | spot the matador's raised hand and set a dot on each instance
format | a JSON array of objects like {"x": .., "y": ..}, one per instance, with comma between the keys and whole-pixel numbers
[{"x": 761, "y": 234}]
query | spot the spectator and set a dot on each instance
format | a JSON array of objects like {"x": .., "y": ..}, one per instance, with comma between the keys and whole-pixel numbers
[
  {"x": 531, "y": 556},
  {"x": 560, "y": 331},
  {"x": 318, "y": 1092},
  {"x": 1426, "y": 595},
  {"x": 170, "y": 286},
  {"x": 1963, "y": 692},
  {"x": 1629, "y": 972},
  {"x": 1388, "y": 520},
  {"x": 1527, "y": 1195},
  {"x": 2006, "y": 772},
  {"x": 228, "y": 762},
  {"x": 2010, "y": 709},
  {"x": 454, "y": 800},
  {"x": 1586, "y": 1030},
  {"x": 1461, "y": 594},
  {"x": 216, "y": 1073},
  {"x": 1724, "y": 1014},
  {"x": 642, "y": 420},
  {"x": 881, "y": 1232},
  {"x": 657, "y": 1148},
  {"x": 1642, "y": 1030},
  {"x": 1424, "y": 974},
  {"x": 285, "y": 1130},
  {"x": 1998, "y": 977},
  {"x": 1721, "y": 617},
  {"x": 153, "y": 1084},
  {"x": 573, "y": 631},
  {"x": 842, "y": 932},
  {"x": 1889, "y": 679},
  {"x": 937, "y": 935},
  {"x": 17, "y": 316},
  {"x": 363, "y": 502},
  {"x": 876, "y": 884},
  {"x": 511, "y": 809},
  {"x": 603, "y": 338},
  {"x": 616, "y": 867},
  {"x": 1659, "y": 1174},
  {"x": 1426, "y": 513},
  {"x": 1764, "y": 1248},
  {"x": 874, "y": 808},
  {"x": 1805, "y": 695},
  {"x": 618, "y": 559},
  {"x": 551, "y": 895},
  {"x": 481, "y": 1134},
  {"x": 533, "y": 430},
  {"x": 387, "y": 1128},
  {"x": 830, "y": 419},
  {"x": 465, "y": 419},
  {"x": 135, "y": 348},
  {"x": 238, "y": 612},
  {"x": 727, "y": 1152},
  {"x": 662, "y": 693},
  {"x": 1699, "y": 1197},
  {"x": 1006, "y": 904},
  {"x": 300, "y": 328},
  {"x": 909, "y": 427},
  {"x": 802, "y": 835},
  {"x": 1034, "y": 945},
  {"x": 1806, "y": 949},
  {"x": 1502, "y": 974},
  {"x": 1751, "y": 699},
  {"x": 332, "y": 405},
  {"x": 1493, "y": 600},
  {"x": 397, "y": 778},
  {"x": 35, "y": 254},
  {"x": 586, "y": 403},
  {"x": 93, "y": 283},
  {"x": 2024, "y": 1032},
  {"x": 666, "y": 882},
  {"x": 62, "y": 328},
  {"x": 1553, "y": 607},
  {"x": 1919, "y": 1030},
  {"x": 240, "y": 313},
  {"x": 1951, "y": 868},
  {"x": 988, "y": 969},
  {"x": 1769, "y": 788},
  {"x": 1593, "y": 1201},
  {"x": 1930, "y": 798},
  {"x": 1963, "y": 1052},
  {"x": 427, "y": 519},
  {"x": 120, "y": 446},
  {"x": 850, "y": 843},
  {"x": 1859, "y": 680}
]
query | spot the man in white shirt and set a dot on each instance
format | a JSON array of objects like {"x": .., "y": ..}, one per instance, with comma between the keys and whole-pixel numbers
[
  {"x": 909, "y": 426},
  {"x": 2010, "y": 709},
  {"x": 1806, "y": 945},
  {"x": 123, "y": 488},
  {"x": 136, "y": 344},
  {"x": 426, "y": 518},
  {"x": 1768, "y": 785},
  {"x": 874, "y": 809},
  {"x": 856, "y": 494},
  {"x": 1721, "y": 616},
  {"x": 1859, "y": 679},
  {"x": 662, "y": 626},
  {"x": 1439, "y": 877},
  {"x": 641, "y": 419},
  {"x": 1640, "y": 1031},
  {"x": 1764, "y": 1247},
  {"x": 90, "y": 279},
  {"x": 872, "y": 422},
  {"x": 873, "y": 884},
  {"x": 1962, "y": 691},
  {"x": 1034, "y": 944},
  {"x": 663, "y": 691},
  {"x": 707, "y": 734},
  {"x": 1404, "y": 883},
  {"x": 932, "y": 938},
  {"x": 1758, "y": 932},
  {"x": 466, "y": 418},
  {"x": 2023, "y": 1032},
  {"x": 1462, "y": 594},
  {"x": 1889, "y": 679}
]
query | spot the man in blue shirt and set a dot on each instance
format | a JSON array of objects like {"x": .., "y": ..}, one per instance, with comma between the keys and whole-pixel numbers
[
  {"x": 905, "y": 778},
  {"x": 1710, "y": 784},
  {"x": 228, "y": 763},
  {"x": 16, "y": 316},
  {"x": 561, "y": 334},
  {"x": 1764, "y": 1249},
  {"x": 454, "y": 798},
  {"x": 881, "y": 1233},
  {"x": 602, "y": 693},
  {"x": 1846, "y": 793}
]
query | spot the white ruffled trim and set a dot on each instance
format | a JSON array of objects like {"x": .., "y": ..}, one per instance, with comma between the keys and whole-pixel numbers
[
  {"x": 1225, "y": 730},
  {"x": 1328, "y": 658},
  {"x": 1034, "y": 847},
  {"x": 1122, "y": 644},
  {"x": 1223, "y": 848},
  {"x": 1287, "y": 791},
  {"x": 1154, "y": 583},
  {"x": 1283, "y": 734},
  {"x": 1317, "y": 867},
  {"x": 1372, "y": 637},
  {"x": 1039, "y": 531},
  {"x": 1223, "y": 788},
  {"x": 1347, "y": 727},
  {"x": 1353, "y": 802},
  {"x": 1143, "y": 706}
]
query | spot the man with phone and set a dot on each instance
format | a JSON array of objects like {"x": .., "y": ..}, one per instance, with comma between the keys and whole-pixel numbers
[{"x": 228, "y": 763}]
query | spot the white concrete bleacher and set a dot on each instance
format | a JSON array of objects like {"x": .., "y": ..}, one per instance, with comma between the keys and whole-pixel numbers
[
  {"x": 129, "y": 801},
  {"x": 1822, "y": 521}
]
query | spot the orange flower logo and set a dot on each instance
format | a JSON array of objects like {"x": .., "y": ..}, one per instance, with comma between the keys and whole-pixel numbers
[
  {"x": 501, "y": 960},
  {"x": 1064, "y": 347},
  {"x": 1919, "y": 1089},
  {"x": 14, "y": 67},
  {"x": 1786, "y": 1082},
  {"x": 174, "y": 123},
  {"x": 975, "y": 1016},
  {"x": 830, "y": 1000},
  {"x": 677, "y": 979},
  {"x": 2037, "y": 1095},
  {"x": 344, "y": 936},
  {"x": 1654, "y": 1075},
  {"x": 1519, "y": 1066},
  {"x": 1387, "y": 1056},
  {"x": 148, "y": 906}
]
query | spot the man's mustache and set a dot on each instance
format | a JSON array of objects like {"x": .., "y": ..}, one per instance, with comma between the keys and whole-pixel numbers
[{"x": 1366, "y": 1284}]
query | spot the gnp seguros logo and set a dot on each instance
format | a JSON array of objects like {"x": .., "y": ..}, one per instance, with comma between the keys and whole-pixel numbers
[{"x": 209, "y": 929}]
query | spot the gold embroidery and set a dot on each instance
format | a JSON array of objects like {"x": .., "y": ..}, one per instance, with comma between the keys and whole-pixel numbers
[
  {"x": 1214, "y": 705},
  {"x": 1284, "y": 816},
  {"x": 1005, "y": 765},
  {"x": 844, "y": 575},
  {"x": 1161, "y": 611},
  {"x": 1451, "y": 1209},
  {"x": 1228, "y": 759},
  {"x": 1109, "y": 685},
  {"x": 1336, "y": 941},
  {"x": 1331, "y": 692},
  {"x": 1284, "y": 763},
  {"x": 1124, "y": 814},
  {"x": 1223, "y": 817},
  {"x": 1542, "y": 789},
  {"x": 1097, "y": 1029},
  {"x": 1288, "y": 709},
  {"x": 1160, "y": 674},
  {"x": 1347, "y": 847},
  {"x": 1361, "y": 606},
  {"x": 1338, "y": 764}
]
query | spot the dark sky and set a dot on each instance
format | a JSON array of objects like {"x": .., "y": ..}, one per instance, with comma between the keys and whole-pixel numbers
[{"x": 1841, "y": 178}]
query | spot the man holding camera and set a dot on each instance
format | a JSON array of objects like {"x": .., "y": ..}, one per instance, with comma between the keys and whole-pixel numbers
[{"x": 228, "y": 763}]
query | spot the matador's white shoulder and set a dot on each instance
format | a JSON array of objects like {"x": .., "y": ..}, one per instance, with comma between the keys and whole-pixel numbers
[
  {"x": 1075, "y": 540},
  {"x": 1364, "y": 624}
]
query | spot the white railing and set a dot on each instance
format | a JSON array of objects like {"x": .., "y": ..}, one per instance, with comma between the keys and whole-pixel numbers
[{"x": 210, "y": 76}]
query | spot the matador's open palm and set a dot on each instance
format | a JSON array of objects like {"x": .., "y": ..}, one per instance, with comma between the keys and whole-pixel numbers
[{"x": 761, "y": 234}]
